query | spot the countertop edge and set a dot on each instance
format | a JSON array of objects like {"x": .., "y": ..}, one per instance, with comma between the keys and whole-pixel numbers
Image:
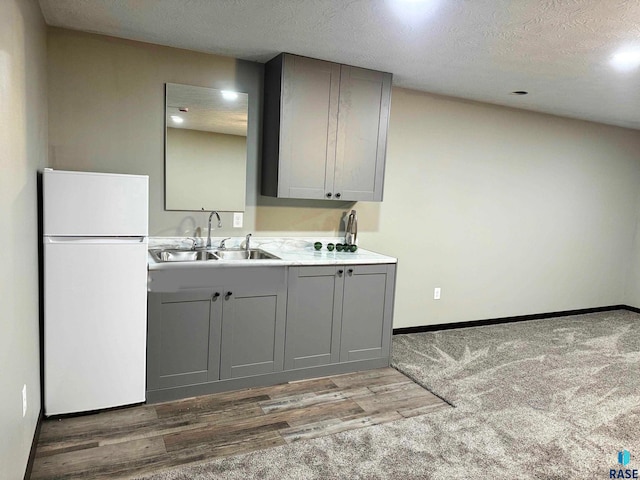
[{"x": 153, "y": 265}]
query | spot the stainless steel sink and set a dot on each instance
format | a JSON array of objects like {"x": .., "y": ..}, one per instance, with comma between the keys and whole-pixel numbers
[
  {"x": 173, "y": 255},
  {"x": 241, "y": 254},
  {"x": 177, "y": 255}
]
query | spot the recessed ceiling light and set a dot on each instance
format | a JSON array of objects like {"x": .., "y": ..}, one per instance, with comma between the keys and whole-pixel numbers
[
  {"x": 626, "y": 60},
  {"x": 176, "y": 119},
  {"x": 414, "y": 12},
  {"x": 229, "y": 95},
  {"x": 520, "y": 92}
]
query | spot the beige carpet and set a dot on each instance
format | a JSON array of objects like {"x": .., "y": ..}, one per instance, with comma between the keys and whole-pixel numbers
[{"x": 545, "y": 399}]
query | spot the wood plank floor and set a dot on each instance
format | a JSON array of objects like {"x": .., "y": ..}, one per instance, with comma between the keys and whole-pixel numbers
[{"x": 139, "y": 440}]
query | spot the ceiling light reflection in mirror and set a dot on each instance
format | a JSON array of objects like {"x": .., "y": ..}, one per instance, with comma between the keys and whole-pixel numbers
[
  {"x": 626, "y": 60},
  {"x": 206, "y": 148}
]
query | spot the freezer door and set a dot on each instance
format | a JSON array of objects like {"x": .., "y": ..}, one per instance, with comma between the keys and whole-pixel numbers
[
  {"x": 95, "y": 204},
  {"x": 95, "y": 325}
]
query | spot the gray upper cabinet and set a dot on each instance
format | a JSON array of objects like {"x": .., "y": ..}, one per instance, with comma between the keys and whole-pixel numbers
[{"x": 325, "y": 130}]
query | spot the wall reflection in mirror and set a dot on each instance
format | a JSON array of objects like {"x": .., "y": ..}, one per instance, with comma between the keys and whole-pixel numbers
[{"x": 205, "y": 148}]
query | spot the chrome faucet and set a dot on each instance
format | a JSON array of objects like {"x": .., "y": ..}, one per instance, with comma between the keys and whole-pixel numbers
[
  {"x": 247, "y": 241},
  {"x": 209, "y": 231},
  {"x": 222, "y": 246}
]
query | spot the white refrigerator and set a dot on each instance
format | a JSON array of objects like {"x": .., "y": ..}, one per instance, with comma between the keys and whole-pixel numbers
[{"x": 95, "y": 234}]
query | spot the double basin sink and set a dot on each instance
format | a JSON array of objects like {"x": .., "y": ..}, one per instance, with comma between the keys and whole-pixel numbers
[{"x": 178, "y": 255}]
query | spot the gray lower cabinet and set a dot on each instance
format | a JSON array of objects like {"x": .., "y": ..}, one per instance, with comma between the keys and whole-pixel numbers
[
  {"x": 232, "y": 330},
  {"x": 313, "y": 316},
  {"x": 253, "y": 330},
  {"x": 183, "y": 338},
  {"x": 367, "y": 312},
  {"x": 338, "y": 314},
  {"x": 211, "y": 330}
]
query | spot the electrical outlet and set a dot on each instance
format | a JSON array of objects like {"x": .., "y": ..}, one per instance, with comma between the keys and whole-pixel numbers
[
  {"x": 237, "y": 220},
  {"x": 436, "y": 293},
  {"x": 24, "y": 400}
]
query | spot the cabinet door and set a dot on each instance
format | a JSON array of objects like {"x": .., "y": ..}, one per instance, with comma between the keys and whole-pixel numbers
[
  {"x": 363, "y": 119},
  {"x": 253, "y": 330},
  {"x": 314, "y": 301},
  {"x": 309, "y": 113},
  {"x": 367, "y": 311},
  {"x": 183, "y": 338}
]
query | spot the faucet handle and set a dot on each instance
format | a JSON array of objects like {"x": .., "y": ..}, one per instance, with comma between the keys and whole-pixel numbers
[
  {"x": 195, "y": 242},
  {"x": 222, "y": 245},
  {"x": 247, "y": 240}
]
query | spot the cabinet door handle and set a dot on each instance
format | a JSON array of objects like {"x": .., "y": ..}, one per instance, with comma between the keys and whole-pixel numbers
[
  {"x": 229, "y": 294},
  {"x": 338, "y": 195},
  {"x": 329, "y": 195},
  {"x": 215, "y": 295},
  {"x": 340, "y": 272},
  {"x": 350, "y": 271}
]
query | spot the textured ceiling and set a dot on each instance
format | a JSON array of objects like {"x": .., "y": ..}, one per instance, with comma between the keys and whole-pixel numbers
[{"x": 557, "y": 50}]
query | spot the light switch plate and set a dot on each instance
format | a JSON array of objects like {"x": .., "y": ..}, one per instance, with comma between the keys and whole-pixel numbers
[{"x": 237, "y": 219}]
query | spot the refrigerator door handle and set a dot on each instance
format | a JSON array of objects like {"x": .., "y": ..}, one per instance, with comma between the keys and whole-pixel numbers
[{"x": 96, "y": 240}]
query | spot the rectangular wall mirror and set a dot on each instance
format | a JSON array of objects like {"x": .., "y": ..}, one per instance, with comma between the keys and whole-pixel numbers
[{"x": 205, "y": 148}]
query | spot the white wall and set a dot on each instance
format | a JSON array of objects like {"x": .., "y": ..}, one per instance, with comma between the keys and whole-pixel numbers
[
  {"x": 509, "y": 212},
  {"x": 23, "y": 150}
]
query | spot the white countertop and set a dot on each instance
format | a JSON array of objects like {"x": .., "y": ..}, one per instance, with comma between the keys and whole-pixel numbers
[{"x": 290, "y": 251}]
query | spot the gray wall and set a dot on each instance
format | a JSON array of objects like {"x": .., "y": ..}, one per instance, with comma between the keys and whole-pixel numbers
[
  {"x": 23, "y": 150},
  {"x": 632, "y": 291},
  {"x": 509, "y": 212},
  {"x": 107, "y": 111},
  {"x": 205, "y": 170}
]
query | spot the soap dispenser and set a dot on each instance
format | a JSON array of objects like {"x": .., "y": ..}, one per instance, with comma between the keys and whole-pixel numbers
[{"x": 352, "y": 229}]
